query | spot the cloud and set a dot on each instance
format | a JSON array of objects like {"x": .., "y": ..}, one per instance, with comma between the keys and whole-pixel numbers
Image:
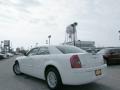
[
  {"x": 38, "y": 18},
  {"x": 17, "y": 9},
  {"x": 25, "y": 3}
]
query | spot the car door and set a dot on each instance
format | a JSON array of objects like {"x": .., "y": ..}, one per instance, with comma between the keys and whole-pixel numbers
[
  {"x": 29, "y": 60},
  {"x": 115, "y": 55},
  {"x": 42, "y": 56}
]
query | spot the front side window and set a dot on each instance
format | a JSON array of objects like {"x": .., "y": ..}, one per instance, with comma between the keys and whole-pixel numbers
[{"x": 33, "y": 52}]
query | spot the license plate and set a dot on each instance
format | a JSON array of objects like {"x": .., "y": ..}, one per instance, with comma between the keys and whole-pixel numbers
[{"x": 98, "y": 72}]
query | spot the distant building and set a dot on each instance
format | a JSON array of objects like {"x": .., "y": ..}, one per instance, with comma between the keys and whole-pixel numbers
[
  {"x": 5, "y": 46},
  {"x": 17, "y": 50},
  {"x": 86, "y": 45}
]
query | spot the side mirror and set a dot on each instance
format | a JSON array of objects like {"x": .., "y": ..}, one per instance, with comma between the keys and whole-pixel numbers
[
  {"x": 93, "y": 52},
  {"x": 25, "y": 53}
]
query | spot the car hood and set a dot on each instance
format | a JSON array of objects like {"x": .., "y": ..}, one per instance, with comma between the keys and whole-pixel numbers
[
  {"x": 2, "y": 54},
  {"x": 20, "y": 57}
]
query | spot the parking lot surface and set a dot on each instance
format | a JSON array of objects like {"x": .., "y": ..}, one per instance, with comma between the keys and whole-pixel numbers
[{"x": 9, "y": 81}]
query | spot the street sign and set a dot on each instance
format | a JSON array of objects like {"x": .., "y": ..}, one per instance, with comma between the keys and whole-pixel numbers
[{"x": 7, "y": 43}]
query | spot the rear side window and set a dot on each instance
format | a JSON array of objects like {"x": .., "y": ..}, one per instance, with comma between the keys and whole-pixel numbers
[
  {"x": 70, "y": 49},
  {"x": 43, "y": 51}
]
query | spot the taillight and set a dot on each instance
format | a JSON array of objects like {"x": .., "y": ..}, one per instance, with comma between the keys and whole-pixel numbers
[
  {"x": 105, "y": 59},
  {"x": 75, "y": 62},
  {"x": 105, "y": 62}
]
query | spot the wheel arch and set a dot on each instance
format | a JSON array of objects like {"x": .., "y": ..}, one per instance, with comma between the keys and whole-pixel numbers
[
  {"x": 16, "y": 71},
  {"x": 16, "y": 61},
  {"x": 51, "y": 66}
]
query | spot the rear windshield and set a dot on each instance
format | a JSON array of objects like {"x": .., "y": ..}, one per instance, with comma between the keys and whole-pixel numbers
[{"x": 70, "y": 49}]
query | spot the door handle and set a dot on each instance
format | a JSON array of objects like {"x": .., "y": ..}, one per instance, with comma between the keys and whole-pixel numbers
[{"x": 30, "y": 65}]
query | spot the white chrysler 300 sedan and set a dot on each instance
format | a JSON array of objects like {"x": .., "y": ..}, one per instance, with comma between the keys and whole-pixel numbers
[{"x": 60, "y": 65}]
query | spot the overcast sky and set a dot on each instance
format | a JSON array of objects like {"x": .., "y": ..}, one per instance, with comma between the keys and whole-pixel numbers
[{"x": 26, "y": 22}]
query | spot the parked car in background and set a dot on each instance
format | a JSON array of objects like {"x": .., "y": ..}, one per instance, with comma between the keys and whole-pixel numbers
[
  {"x": 111, "y": 55},
  {"x": 60, "y": 65},
  {"x": 1, "y": 56},
  {"x": 9, "y": 54}
]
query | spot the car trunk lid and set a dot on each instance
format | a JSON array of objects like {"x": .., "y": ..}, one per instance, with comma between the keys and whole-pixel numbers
[{"x": 90, "y": 60}]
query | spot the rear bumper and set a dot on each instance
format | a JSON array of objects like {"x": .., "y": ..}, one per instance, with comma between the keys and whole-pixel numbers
[
  {"x": 82, "y": 76},
  {"x": 1, "y": 57},
  {"x": 113, "y": 61}
]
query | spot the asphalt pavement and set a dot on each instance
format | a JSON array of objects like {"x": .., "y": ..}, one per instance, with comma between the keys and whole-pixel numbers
[{"x": 9, "y": 81}]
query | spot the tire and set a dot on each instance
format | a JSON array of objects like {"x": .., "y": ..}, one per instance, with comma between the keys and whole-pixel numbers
[
  {"x": 16, "y": 69},
  {"x": 108, "y": 62},
  {"x": 53, "y": 79},
  {"x": 1, "y": 57}
]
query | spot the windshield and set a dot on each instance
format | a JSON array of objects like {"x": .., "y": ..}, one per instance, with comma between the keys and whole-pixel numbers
[
  {"x": 70, "y": 49},
  {"x": 107, "y": 51},
  {"x": 115, "y": 50}
]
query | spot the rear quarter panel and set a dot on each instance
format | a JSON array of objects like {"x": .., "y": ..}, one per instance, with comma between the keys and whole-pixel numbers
[{"x": 61, "y": 62}]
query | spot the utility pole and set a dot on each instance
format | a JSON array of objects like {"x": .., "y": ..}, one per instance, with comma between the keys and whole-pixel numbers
[
  {"x": 2, "y": 46},
  {"x": 36, "y": 45},
  {"x": 46, "y": 41},
  {"x": 49, "y": 38},
  {"x": 119, "y": 34},
  {"x": 74, "y": 32}
]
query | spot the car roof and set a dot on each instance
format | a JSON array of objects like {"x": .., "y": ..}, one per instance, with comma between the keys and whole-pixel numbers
[{"x": 55, "y": 46}]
